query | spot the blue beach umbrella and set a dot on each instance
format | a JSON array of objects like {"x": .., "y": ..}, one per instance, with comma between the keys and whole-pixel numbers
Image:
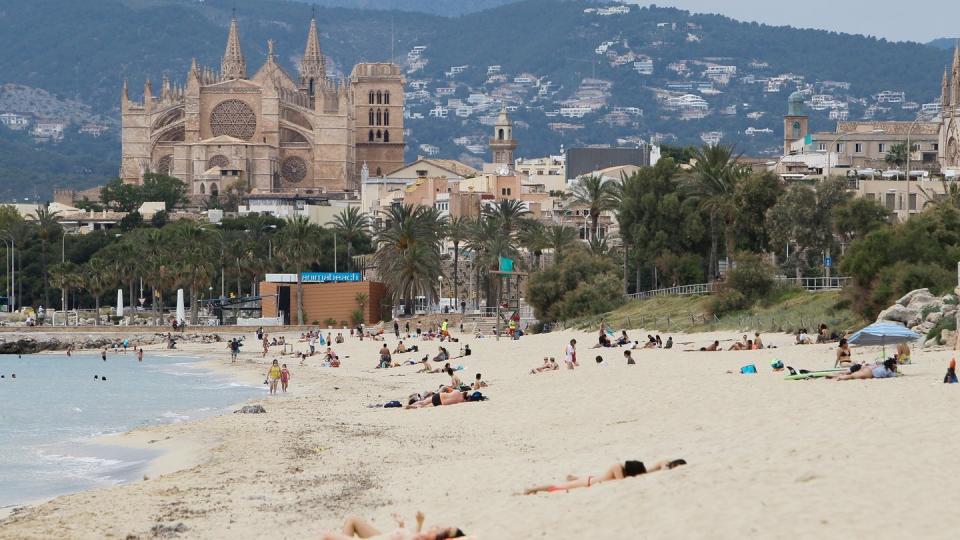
[{"x": 883, "y": 333}]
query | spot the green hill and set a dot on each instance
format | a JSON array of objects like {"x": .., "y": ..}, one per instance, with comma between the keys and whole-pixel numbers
[{"x": 84, "y": 50}]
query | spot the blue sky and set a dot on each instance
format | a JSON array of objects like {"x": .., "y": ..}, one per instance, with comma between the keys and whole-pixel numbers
[{"x": 896, "y": 20}]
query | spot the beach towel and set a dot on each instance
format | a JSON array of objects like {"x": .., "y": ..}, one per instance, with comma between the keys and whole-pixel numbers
[{"x": 747, "y": 369}]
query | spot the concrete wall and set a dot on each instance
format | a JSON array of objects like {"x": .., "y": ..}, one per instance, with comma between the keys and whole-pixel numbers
[{"x": 325, "y": 300}]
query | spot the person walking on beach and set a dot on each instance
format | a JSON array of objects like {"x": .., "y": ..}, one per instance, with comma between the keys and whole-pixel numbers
[
  {"x": 571, "y": 355},
  {"x": 266, "y": 346},
  {"x": 284, "y": 377},
  {"x": 273, "y": 376}
]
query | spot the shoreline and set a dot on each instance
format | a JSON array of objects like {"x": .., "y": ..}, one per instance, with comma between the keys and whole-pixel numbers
[{"x": 171, "y": 455}]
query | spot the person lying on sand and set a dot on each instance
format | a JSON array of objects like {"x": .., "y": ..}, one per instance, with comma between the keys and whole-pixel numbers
[
  {"x": 447, "y": 398},
  {"x": 741, "y": 345},
  {"x": 876, "y": 371},
  {"x": 615, "y": 472},
  {"x": 549, "y": 364},
  {"x": 356, "y": 527},
  {"x": 715, "y": 346}
]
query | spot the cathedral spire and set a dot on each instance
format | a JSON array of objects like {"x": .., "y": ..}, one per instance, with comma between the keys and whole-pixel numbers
[
  {"x": 944, "y": 92},
  {"x": 312, "y": 65},
  {"x": 233, "y": 65},
  {"x": 955, "y": 76}
]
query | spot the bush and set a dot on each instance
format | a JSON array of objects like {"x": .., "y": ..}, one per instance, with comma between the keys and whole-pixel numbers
[
  {"x": 330, "y": 322},
  {"x": 726, "y": 300},
  {"x": 752, "y": 276},
  {"x": 894, "y": 281},
  {"x": 356, "y": 317},
  {"x": 580, "y": 284},
  {"x": 945, "y": 323}
]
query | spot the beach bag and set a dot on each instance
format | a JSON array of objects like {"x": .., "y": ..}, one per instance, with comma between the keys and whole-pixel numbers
[
  {"x": 749, "y": 368},
  {"x": 392, "y": 405}
]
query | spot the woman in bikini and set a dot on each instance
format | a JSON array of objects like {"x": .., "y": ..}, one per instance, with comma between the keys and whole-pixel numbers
[
  {"x": 844, "y": 356},
  {"x": 877, "y": 371},
  {"x": 616, "y": 472}
]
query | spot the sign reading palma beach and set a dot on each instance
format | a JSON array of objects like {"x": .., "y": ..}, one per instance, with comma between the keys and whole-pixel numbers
[{"x": 329, "y": 277}]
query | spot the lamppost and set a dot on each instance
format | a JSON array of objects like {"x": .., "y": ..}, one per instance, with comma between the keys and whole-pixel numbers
[
  {"x": 440, "y": 303},
  {"x": 910, "y": 132},
  {"x": 9, "y": 286},
  {"x": 12, "y": 298},
  {"x": 835, "y": 141}
]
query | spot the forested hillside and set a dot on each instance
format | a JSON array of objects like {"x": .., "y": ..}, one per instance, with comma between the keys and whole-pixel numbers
[{"x": 84, "y": 50}]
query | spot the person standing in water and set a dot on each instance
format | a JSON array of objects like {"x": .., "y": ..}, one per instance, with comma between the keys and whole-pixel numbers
[
  {"x": 140, "y": 354},
  {"x": 273, "y": 376},
  {"x": 103, "y": 355}
]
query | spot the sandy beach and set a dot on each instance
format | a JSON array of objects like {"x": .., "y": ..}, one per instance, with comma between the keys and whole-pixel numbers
[{"x": 768, "y": 458}]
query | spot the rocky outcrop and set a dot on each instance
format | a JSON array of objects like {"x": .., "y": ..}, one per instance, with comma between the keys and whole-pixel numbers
[
  {"x": 922, "y": 312},
  {"x": 34, "y": 342}
]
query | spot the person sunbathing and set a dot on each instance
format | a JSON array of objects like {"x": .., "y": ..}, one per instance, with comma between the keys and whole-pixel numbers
[
  {"x": 615, "y": 472},
  {"x": 549, "y": 364},
  {"x": 741, "y": 345},
  {"x": 844, "y": 356},
  {"x": 357, "y": 527},
  {"x": 802, "y": 337},
  {"x": 454, "y": 380},
  {"x": 715, "y": 346},
  {"x": 651, "y": 342},
  {"x": 623, "y": 339},
  {"x": 478, "y": 383},
  {"x": 442, "y": 356},
  {"x": 876, "y": 371},
  {"x": 442, "y": 398}
]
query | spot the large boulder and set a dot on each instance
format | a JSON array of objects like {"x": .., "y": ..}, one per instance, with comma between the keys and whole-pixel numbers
[
  {"x": 901, "y": 314},
  {"x": 934, "y": 317},
  {"x": 908, "y": 298}
]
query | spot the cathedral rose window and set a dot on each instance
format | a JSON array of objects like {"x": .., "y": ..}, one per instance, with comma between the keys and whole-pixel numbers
[
  {"x": 218, "y": 160},
  {"x": 293, "y": 169},
  {"x": 233, "y": 118},
  {"x": 163, "y": 165}
]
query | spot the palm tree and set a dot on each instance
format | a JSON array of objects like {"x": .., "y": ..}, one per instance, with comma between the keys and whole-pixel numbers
[
  {"x": 596, "y": 193},
  {"x": 299, "y": 246},
  {"x": 713, "y": 184},
  {"x": 897, "y": 155},
  {"x": 489, "y": 243},
  {"x": 47, "y": 229},
  {"x": 559, "y": 238},
  {"x": 408, "y": 255},
  {"x": 65, "y": 276},
  {"x": 98, "y": 279},
  {"x": 508, "y": 213},
  {"x": 456, "y": 232},
  {"x": 198, "y": 249},
  {"x": 533, "y": 238},
  {"x": 351, "y": 224}
]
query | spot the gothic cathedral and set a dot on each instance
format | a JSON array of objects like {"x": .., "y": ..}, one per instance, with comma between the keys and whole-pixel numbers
[{"x": 270, "y": 132}]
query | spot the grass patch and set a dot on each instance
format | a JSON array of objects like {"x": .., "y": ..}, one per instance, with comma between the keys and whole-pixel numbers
[{"x": 786, "y": 311}]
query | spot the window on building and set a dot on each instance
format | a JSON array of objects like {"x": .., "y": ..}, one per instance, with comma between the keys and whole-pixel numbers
[
  {"x": 500, "y": 135},
  {"x": 379, "y": 117},
  {"x": 796, "y": 130},
  {"x": 503, "y": 191},
  {"x": 386, "y": 97},
  {"x": 386, "y": 135},
  {"x": 379, "y": 172},
  {"x": 379, "y": 134},
  {"x": 915, "y": 147},
  {"x": 858, "y": 148},
  {"x": 839, "y": 148},
  {"x": 421, "y": 173},
  {"x": 822, "y": 147},
  {"x": 371, "y": 118},
  {"x": 371, "y": 97},
  {"x": 203, "y": 189},
  {"x": 936, "y": 147},
  {"x": 386, "y": 118},
  {"x": 370, "y": 138},
  {"x": 913, "y": 201},
  {"x": 890, "y": 201},
  {"x": 881, "y": 147},
  {"x": 379, "y": 97}
]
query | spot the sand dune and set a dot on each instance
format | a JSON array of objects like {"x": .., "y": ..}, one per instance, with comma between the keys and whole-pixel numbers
[{"x": 768, "y": 458}]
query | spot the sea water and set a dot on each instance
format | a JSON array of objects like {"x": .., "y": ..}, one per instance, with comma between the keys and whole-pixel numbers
[{"x": 56, "y": 404}]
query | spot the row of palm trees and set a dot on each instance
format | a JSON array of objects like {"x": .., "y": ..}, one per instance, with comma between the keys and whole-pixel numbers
[{"x": 411, "y": 243}]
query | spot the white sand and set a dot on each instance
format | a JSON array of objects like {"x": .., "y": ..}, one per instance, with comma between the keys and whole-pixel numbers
[{"x": 768, "y": 458}]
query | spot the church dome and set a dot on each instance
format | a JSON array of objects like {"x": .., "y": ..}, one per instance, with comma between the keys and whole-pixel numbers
[{"x": 795, "y": 104}]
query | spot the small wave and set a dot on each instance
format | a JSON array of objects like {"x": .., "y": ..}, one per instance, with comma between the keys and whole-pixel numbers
[
  {"x": 172, "y": 416},
  {"x": 76, "y": 409}
]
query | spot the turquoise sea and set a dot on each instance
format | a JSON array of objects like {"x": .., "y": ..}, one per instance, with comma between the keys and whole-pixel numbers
[{"x": 54, "y": 406}]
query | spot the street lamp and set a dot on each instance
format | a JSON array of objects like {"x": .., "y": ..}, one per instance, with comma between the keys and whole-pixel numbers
[
  {"x": 440, "y": 303},
  {"x": 835, "y": 141},
  {"x": 909, "y": 132},
  {"x": 12, "y": 250}
]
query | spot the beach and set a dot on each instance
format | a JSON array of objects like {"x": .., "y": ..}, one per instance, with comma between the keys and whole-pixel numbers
[{"x": 767, "y": 458}]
